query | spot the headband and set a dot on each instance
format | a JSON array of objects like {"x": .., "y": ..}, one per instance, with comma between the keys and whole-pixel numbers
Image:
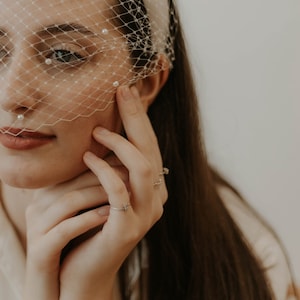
[{"x": 159, "y": 15}]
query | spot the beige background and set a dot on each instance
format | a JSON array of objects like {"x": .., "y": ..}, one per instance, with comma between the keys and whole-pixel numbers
[{"x": 246, "y": 57}]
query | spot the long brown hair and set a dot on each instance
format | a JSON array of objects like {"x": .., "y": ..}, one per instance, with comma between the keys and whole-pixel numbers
[{"x": 196, "y": 251}]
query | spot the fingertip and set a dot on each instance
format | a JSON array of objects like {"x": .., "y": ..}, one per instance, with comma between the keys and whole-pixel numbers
[
  {"x": 123, "y": 92},
  {"x": 88, "y": 157},
  {"x": 128, "y": 92},
  {"x": 100, "y": 131},
  {"x": 134, "y": 91},
  {"x": 104, "y": 210}
]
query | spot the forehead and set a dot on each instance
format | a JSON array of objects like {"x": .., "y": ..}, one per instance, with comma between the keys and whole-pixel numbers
[{"x": 31, "y": 15}]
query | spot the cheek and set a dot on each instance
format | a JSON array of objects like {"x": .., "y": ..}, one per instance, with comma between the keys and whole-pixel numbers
[
  {"x": 79, "y": 101},
  {"x": 79, "y": 132},
  {"x": 109, "y": 119},
  {"x": 88, "y": 90}
]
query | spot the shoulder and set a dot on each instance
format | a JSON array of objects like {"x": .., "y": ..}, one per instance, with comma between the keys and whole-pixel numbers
[{"x": 261, "y": 240}]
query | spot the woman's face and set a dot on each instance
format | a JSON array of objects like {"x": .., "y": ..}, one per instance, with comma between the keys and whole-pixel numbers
[{"x": 60, "y": 62}]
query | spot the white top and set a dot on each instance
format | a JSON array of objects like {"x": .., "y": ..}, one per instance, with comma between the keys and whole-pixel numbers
[{"x": 265, "y": 245}]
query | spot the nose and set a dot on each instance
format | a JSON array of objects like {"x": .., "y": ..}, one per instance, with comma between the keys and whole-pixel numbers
[{"x": 20, "y": 83}]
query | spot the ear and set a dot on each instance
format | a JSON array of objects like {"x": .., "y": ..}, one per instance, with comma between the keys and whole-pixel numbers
[{"x": 150, "y": 86}]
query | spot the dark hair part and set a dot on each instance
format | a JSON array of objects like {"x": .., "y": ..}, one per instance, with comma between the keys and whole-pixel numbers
[{"x": 196, "y": 251}]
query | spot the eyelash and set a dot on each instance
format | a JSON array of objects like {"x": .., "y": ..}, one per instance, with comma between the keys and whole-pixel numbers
[
  {"x": 60, "y": 55},
  {"x": 65, "y": 56}
]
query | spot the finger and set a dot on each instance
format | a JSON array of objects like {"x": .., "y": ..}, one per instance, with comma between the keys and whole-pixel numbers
[
  {"x": 115, "y": 188},
  {"x": 65, "y": 207},
  {"x": 139, "y": 129},
  {"x": 144, "y": 176},
  {"x": 135, "y": 119},
  {"x": 127, "y": 153},
  {"x": 49, "y": 194},
  {"x": 118, "y": 166},
  {"x": 71, "y": 228},
  {"x": 112, "y": 160},
  {"x": 141, "y": 174}
]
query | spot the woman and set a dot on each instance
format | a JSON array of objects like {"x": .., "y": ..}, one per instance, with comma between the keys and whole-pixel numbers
[{"x": 97, "y": 98}]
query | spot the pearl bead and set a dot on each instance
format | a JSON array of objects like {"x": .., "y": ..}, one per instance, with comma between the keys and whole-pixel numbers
[
  {"x": 20, "y": 117},
  {"x": 105, "y": 31},
  {"x": 48, "y": 61},
  {"x": 116, "y": 84}
]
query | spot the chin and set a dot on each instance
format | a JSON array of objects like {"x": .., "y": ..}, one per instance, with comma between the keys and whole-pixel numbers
[
  {"x": 23, "y": 182},
  {"x": 28, "y": 179},
  {"x": 28, "y": 174}
]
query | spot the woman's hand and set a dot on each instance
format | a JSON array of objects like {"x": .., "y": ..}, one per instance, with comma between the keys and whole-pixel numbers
[
  {"x": 53, "y": 220},
  {"x": 89, "y": 270},
  {"x": 100, "y": 257}
]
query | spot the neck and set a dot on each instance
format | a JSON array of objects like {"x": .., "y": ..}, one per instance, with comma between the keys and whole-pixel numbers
[{"x": 15, "y": 202}]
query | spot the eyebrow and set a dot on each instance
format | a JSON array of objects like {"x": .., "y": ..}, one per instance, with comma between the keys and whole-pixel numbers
[{"x": 63, "y": 28}]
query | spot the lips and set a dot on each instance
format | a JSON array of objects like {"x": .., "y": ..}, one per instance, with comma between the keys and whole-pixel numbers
[{"x": 22, "y": 139}]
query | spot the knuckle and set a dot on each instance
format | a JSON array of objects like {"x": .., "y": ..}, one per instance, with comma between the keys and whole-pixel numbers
[
  {"x": 120, "y": 188},
  {"x": 145, "y": 171},
  {"x": 131, "y": 237},
  {"x": 165, "y": 195},
  {"x": 136, "y": 235},
  {"x": 158, "y": 212},
  {"x": 70, "y": 197},
  {"x": 155, "y": 141},
  {"x": 61, "y": 232},
  {"x": 70, "y": 200}
]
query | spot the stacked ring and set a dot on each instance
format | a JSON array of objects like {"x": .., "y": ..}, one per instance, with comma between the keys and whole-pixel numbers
[{"x": 159, "y": 181}]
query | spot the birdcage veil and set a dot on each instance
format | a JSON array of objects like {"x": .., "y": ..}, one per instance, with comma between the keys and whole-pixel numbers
[{"x": 64, "y": 59}]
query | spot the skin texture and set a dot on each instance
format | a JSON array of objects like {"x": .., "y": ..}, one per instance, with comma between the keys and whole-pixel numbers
[
  {"x": 62, "y": 190},
  {"x": 50, "y": 93},
  {"x": 122, "y": 230},
  {"x": 51, "y": 220}
]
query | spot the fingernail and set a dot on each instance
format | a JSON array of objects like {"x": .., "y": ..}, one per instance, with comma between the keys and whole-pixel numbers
[
  {"x": 101, "y": 131},
  {"x": 103, "y": 210},
  {"x": 88, "y": 156},
  {"x": 135, "y": 91},
  {"x": 126, "y": 93}
]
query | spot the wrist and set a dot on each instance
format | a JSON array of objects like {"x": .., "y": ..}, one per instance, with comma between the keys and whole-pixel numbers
[{"x": 98, "y": 290}]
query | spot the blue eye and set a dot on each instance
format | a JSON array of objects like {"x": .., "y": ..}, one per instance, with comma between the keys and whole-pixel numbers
[{"x": 66, "y": 56}]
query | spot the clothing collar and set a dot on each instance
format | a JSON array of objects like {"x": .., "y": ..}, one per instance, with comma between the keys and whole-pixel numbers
[{"x": 12, "y": 256}]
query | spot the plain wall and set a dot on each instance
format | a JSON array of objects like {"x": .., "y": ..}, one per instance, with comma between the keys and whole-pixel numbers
[{"x": 246, "y": 59}]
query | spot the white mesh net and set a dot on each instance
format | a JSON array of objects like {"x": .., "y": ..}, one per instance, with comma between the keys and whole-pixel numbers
[{"x": 64, "y": 59}]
